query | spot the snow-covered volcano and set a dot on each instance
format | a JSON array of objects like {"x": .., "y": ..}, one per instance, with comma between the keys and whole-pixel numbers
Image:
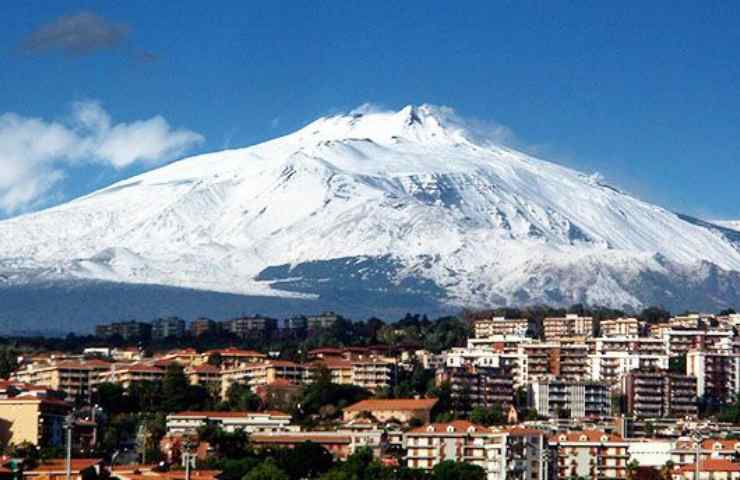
[{"x": 362, "y": 210}]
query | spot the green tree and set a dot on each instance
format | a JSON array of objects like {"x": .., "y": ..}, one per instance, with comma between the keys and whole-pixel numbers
[
  {"x": 449, "y": 470},
  {"x": 175, "y": 388},
  {"x": 240, "y": 397},
  {"x": 488, "y": 416},
  {"x": 307, "y": 460},
  {"x": 266, "y": 470}
]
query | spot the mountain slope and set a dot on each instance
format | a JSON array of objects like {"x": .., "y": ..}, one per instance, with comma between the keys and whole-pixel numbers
[{"x": 410, "y": 202}]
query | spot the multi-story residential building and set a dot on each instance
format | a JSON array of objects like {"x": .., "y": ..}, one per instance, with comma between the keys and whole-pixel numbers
[
  {"x": 711, "y": 469},
  {"x": 572, "y": 361},
  {"x": 717, "y": 374},
  {"x": 201, "y": 326},
  {"x": 205, "y": 375},
  {"x": 250, "y": 422},
  {"x": 487, "y": 327},
  {"x": 399, "y": 409},
  {"x": 538, "y": 360},
  {"x": 620, "y": 327},
  {"x": 557, "y": 328},
  {"x": 263, "y": 373},
  {"x": 660, "y": 393},
  {"x": 498, "y": 343},
  {"x": 168, "y": 327},
  {"x": 295, "y": 326},
  {"x": 472, "y": 386},
  {"x": 38, "y": 421},
  {"x": 128, "y": 374},
  {"x": 132, "y": 330},
  {"x": 691, "y": 321},
  {"x": 633, "y": 345},
  {"x": 679, "y": 342},
  {"x": 324, "y": 320},
  {"x": 684, "y": 450},
  {"x": 610, "y": 367},
  {"x": 575, "y": 399},
  {"x": 74, "y": 377},
  {"x": 373, "y": 375},
  {"x": 249, "y": 327},
  {"x": 232, "y": 357},
  {"x": 590, "y": 454},
  {"x": 503, "y": 454}
]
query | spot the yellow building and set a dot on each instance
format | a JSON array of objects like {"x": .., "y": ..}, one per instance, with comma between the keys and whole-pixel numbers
[{"x": 30, "y": 419}]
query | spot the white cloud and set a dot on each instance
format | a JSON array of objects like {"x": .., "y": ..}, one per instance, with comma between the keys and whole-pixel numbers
[{"x": 34, "y": 153}]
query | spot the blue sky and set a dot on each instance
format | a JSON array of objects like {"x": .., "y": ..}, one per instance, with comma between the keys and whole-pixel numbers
[{"x": 645, "y": 93}]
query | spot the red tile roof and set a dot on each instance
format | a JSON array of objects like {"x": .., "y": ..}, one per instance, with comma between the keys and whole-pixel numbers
[
  {"x": 457, "y": 426},
  {"x": 713, "y": 465},
  {"x": 411, "y": 404},
  {"x": 590, "y": 436}
]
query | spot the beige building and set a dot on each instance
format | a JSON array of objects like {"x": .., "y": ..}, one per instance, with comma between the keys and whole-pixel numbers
[
  {"x": 571, "y": 325},
  {"x": 487, "y": 327},
  {"x": 590, "y": 454},
  {"x": 400, "y": 409},
  {"x": 620, "y": 327},
  {"x": 127, "y": 374},
  {"x": 74, "y": 377},
  {"x": 500, "y": 452},
  {"x": 29, "y": 419}
]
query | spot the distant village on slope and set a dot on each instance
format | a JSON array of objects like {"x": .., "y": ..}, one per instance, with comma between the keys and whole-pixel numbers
[{"x": 531, "y": 394}]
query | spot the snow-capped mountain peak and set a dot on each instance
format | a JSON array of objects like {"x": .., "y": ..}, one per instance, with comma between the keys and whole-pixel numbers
[
  {"x": 376, "y": 207},
  {"x": 424, "y": 123}
]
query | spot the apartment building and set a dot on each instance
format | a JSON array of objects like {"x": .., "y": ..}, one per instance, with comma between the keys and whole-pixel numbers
[
  {"x": 560, "y": 359},
  {"x": 250, "y": 327},
  {"x": 620, "y": 327},
  {"x": 504, "y": 454},
  {"x": 611, "y": 366},
  {"x": 574, "y": 399},
  {"x": 205, "y": 375},
  {"x": 660, "y": 393},
  {"x": 38, "y": 421},
  {"x": 679, "y": 342},
  {"x": 488, "y": 327},
  {"x": 717, "y": 374},
  {"x": 498, "y": 343},
  {"x": 719, "y": 469},
  {"x": 557, "y": 328},
  {"x": 373, "y": 374},
  {"x": 128, "y": 374},
  {"x": 232, "y": 357},
  {"x": 473, "y": 386},
  {"x": 634, "y": 345},
  {"x": 74, "y": 377},
  {"x": 590, "y": 454},
  {"x": 132, "y": 330},
  {"x": 324, "y": 320},
  {"x": 684, "y": 450},
  {"x": 250, "y": 422},
  {"x": 263, "y": 373},
  {"x": 201, "y": 326},
  {"x": 399, "y": 409},
  {"x": 168, "y": 327}
]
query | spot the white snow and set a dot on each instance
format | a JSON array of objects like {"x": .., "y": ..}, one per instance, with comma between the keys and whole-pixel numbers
[{"x": 407, "y": 183}]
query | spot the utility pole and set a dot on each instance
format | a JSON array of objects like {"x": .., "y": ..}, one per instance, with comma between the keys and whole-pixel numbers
[
  {"x": 69, "y": 422},
  {"x": 696, "y": 436}
]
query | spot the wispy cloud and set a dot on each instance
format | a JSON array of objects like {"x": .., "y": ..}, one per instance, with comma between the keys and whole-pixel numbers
[
  {"x": 81, "y": 33},
  {"x": 35, "y": 154}
]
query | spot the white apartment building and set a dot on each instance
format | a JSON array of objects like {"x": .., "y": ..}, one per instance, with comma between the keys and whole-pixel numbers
[
  {"x": 611, "y": 366},
  {"x": 717, "y": 374},
  {"x": 250, "y": 422},
  {"x": 553, "y": 397}
]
